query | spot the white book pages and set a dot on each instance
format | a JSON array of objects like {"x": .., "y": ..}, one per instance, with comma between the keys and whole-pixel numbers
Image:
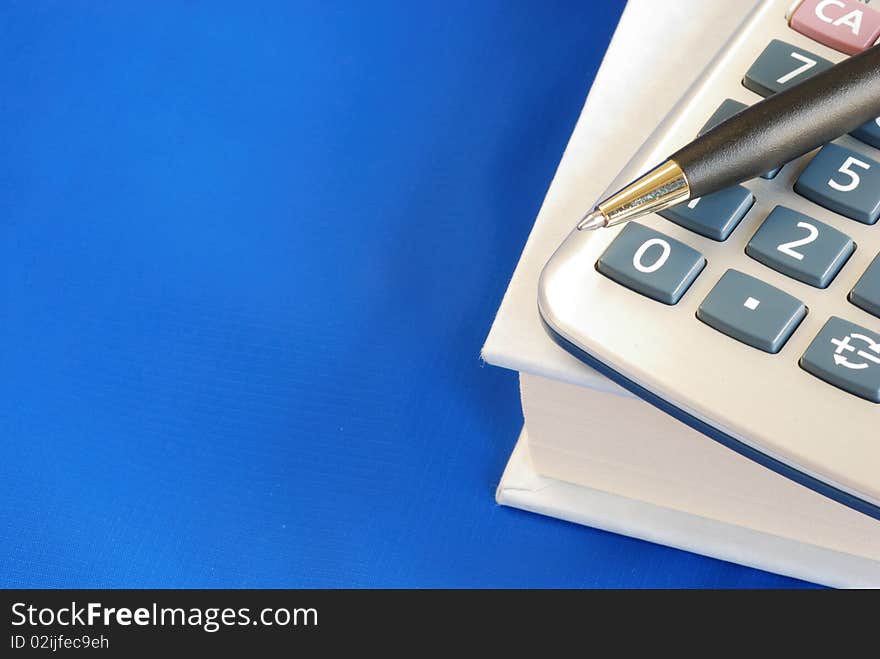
[
  {"x": 622, "y": 446},
  {"x": 522, "y": 487}
]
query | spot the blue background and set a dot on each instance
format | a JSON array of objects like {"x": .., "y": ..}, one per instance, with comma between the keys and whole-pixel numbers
[{"x": 250, "y": 253}]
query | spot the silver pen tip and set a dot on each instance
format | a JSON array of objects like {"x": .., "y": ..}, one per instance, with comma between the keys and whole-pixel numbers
[{"x": 595, "y": 219}]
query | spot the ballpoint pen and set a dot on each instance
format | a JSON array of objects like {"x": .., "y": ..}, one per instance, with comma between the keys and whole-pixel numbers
[{"x": 766, "y": 135}]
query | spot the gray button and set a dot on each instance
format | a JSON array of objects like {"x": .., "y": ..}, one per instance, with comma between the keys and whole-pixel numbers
[
  {"x": 651, "y": 263},
  {"x": 724, "y": 112},
  {"x": 866, "y": 293},
  {"x": 714, "y": 215},
  {"x": 751, "y": 311},
  {"x": 847, "y": 356},
  {"x": 781, "y": 66},
  {"x": 843, "y": 181},
  {"x": 801, "y": 247},
  {"x": 869, "y": 133}
]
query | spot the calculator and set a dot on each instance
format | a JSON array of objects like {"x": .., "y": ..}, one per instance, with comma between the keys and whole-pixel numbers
[{"x": 751, "y": 314}]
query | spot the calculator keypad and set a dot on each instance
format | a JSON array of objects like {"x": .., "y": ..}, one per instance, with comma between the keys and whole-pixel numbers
[
  {"x": 843, "y": 181},
  {"x": 781, "y": 66},
  {"x": 795, "y": 244},
  {"x": 801, "y": 247},
  {"x": 651, "y": 263},
  {"x": 751, "y": 311},
  {"x": 714, "y": 216},
  {"x": 847, "y": 356},
  {"x": 866, "y": 293},
  {"x": 845, "y": 25}
]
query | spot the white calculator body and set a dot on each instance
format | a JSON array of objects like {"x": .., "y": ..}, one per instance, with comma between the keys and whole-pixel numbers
[{"x": 756, "y": 318}]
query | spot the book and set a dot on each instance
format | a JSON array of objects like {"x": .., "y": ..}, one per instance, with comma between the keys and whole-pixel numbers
[{"x": 591, "y": 452}]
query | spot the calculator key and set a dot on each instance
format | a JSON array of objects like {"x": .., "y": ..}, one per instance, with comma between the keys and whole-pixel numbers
[
  {"x": 751, "y": 311},
  {"x": 866, "y": 293},
  {"x": 651, "y": 263},
  {"x": 714, "y": 216},
  {"x": 724, "y": 112},
  {"x": 843, "y": 181},
  {"x": 845, "y": 25},
  {"x": 846, "y": 356},
  {"x": 781, "y": 66},
  {"x": 869, "y": 133},
  {"x": 801, "y": 247}
]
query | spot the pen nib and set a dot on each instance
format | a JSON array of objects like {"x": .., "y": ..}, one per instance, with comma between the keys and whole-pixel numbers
[{"x": 595, "y": 219}]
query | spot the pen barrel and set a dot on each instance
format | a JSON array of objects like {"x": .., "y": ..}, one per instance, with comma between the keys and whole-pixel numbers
[{"x": 784, "y": 126}]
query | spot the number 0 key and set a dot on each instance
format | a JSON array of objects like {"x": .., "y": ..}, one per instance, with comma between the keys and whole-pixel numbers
[{"x": 651, "y": 263}]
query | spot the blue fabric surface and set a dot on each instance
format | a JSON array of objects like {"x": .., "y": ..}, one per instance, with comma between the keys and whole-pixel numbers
[{"x": 250, "y": 252}]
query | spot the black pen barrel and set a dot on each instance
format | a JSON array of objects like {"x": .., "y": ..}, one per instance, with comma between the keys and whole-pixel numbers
[{"x": 784, "y": 126}]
